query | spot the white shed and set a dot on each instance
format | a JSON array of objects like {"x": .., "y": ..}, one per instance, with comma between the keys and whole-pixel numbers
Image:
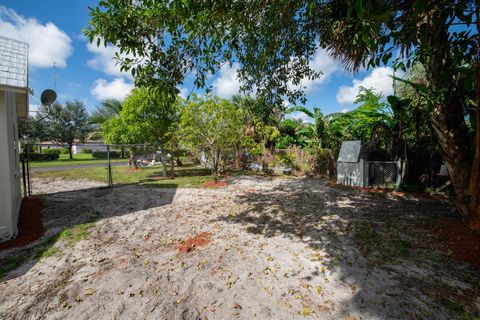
[
  {"x": 13, "y": 105},
  {"x": 354, "y": 168},
  {"x": 350, "y": 165}
]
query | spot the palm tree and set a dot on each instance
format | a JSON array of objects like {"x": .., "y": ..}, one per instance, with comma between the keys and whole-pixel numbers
[{"x": 109, "y": 108}]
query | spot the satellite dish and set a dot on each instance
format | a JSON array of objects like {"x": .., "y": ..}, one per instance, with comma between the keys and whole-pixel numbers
[{"x": 48, "y": 97}]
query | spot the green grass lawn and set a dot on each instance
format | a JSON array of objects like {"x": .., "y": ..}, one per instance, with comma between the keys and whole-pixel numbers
[{"x": 64, "y": 160}]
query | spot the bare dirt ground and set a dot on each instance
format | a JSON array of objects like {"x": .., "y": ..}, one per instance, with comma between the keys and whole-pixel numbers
[{"x": 270, "y": 249}]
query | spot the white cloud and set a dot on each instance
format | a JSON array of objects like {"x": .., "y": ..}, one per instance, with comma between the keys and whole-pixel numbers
[
  {"x": 345, "y": 110},
  {"x": 227, "y": 84},
  {"x": 104, "y": 60},
  {"x": 297, "y": 115},
  {"x": 47, "y": 43},
  {"x": 183, "y": 92},
  {"x": 321, "y": 62},
  {"x": 116, "y": 89},
  {"x": 379, "y": 79}
]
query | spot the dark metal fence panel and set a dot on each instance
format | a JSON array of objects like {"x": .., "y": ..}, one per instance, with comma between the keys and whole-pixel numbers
[
  {"x": 49, "y": 169},
  {"x": 383, "y": 173}
]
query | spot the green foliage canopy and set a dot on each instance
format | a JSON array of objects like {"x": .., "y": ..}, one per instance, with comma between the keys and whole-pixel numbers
[
  {"x": 145, "y": 118},
  {"x": 211, "y": 125}
]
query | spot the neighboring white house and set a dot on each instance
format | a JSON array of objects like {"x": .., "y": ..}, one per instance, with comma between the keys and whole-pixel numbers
[
  {"x": 90, "y": 145},
  {"x": 78, "y": 147},
  {"x": 13, "y": 105}
]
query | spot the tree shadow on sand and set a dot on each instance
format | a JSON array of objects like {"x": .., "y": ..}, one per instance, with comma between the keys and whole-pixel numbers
[
  {"x": 378, "y": 244},
  {"x": 69, "y": 215}
]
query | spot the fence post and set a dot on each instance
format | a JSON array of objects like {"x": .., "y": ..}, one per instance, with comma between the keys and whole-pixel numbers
[
  {"x": 361, "y": 177},
  {"x": 109, "y": 167},
  {"x": 27, "y": 158},
  {"x": 399, "y": 174},
  {"x": 24, "y": 176}
]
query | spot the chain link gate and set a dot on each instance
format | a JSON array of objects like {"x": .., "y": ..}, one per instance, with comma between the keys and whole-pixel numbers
[{"x": 48, "y": 169}]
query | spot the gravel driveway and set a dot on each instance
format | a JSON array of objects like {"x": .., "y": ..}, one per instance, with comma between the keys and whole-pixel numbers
[{"x": 273, "y": 249}]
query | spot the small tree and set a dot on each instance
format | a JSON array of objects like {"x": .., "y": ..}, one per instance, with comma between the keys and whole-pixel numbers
[
  {"x": 147, "y": 116},
  {"x": 65, "y": 124},
  {"x": 31, "y": 129},
  {"x": 211, "y": 126}
]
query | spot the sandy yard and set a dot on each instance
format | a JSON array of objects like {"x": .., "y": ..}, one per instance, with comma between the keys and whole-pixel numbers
[
  {"x": 270, "y": 249},
  {"x": 54, "y": 185}
]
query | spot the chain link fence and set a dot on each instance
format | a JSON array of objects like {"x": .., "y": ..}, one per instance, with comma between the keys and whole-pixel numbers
[
  {"x": 383, "y": 173},
  {"x": 51, "y": 168}
]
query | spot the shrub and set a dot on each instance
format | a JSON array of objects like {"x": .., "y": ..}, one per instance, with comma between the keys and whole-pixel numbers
[
  {"x": 104, "y": 154},
  {"x": 286, "y": 159},
  {"x": 64, "y": 151},
  {"x": 51, "y": 151},
  {"x": 40, "y": 156},
  {"x": 86, "y": 151}
]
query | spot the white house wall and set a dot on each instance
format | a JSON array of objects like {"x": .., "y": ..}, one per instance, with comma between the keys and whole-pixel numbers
[
  {"x": 77, "y": 148},
  {"x": 350, "y": 173},
  {"x": 10, "y": 192}
]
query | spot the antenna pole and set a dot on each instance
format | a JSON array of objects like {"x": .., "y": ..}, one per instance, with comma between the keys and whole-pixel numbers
[
  {"x": 394, "y": 84},
  {"x": 54, "y": 75}
]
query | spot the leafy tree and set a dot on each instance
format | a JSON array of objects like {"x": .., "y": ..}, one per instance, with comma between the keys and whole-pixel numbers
[
  {"x": 260, "y": 122},
  {"x": 289, "y": 133},
  {"x": 32, "y": 129},
  {"x": 418, "y": 133},
  {"x": 423, "y": 32},
  {"x": 146, "y": 117},
  {"x": 107, "y": 109},
  {"x": 315, "y": 132},
  {"x": 373, "y": 114},
  {"x": 65, "y": 124},
  {"x": 211, "y": 126}
]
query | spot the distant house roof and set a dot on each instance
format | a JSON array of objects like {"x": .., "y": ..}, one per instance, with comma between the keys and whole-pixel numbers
[
  {"x": 90, "y": 142},
  {"x": 13, "y": 63}
]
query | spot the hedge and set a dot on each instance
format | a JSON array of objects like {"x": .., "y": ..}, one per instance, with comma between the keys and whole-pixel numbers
[
  {"x": 51, "y": 151},
  {"x": 40, "y": 156},
  {"x": 104, "y": 154}
]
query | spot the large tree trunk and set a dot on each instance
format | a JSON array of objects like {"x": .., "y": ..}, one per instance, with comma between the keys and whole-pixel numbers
[
  {"x": 475, "y": 176},
  {"x": 452, "y": 136},
  {"x": 215, "y": 162},
  {"x": 70, "y": 153},
  {"x": 448, "y": 115},
  {"x": 164, "y": 165},
  {"x": 172, "y": 165}
]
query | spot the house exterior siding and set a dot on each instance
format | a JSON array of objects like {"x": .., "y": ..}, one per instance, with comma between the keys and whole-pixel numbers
[
  {"x": 13, "y": 105},
  {"x": 10, "y": 193}
]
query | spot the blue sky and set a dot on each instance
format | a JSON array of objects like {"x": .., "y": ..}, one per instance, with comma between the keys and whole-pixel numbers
[{"x": 82, "y": 71}]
